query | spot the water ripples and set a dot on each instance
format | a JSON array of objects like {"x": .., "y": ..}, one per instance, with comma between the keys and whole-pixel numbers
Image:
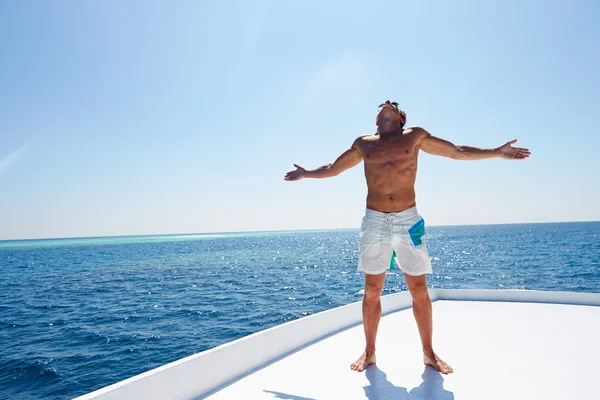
[{"x": 77, "y": 317}]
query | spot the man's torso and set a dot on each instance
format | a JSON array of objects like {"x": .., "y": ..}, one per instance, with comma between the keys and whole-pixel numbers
[{"x": 391, "y": 169}]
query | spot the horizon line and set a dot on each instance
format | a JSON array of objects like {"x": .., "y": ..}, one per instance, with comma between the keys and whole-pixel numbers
[{"x": 275, "y": 231}]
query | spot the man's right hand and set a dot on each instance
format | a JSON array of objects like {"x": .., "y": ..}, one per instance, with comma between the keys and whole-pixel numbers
[
  {"x": 350, "y": 158},
  {"x": 295, "y": 175}
]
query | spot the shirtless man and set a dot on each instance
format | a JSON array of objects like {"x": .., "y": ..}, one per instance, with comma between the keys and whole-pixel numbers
[{"x": 391, "y": 225}]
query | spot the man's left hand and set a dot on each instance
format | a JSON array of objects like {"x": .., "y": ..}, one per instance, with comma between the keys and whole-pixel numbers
[{"x": 508, "y": 152}]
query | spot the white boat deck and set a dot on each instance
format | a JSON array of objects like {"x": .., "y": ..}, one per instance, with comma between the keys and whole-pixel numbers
[
  {"x": 502, "y": 344},
  {"x": 498, "y": 351}
]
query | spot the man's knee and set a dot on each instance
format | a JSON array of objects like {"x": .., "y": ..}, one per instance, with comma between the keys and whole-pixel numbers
[
  {"x": 373, "y": 290},
  {"x": 418, "y": 290}
]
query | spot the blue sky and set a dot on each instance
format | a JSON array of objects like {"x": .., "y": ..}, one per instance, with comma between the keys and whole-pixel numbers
[{"x": 144, "y": 117}]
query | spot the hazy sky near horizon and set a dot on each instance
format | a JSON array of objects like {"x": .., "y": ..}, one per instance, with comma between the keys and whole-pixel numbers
[{"x": 144, "y": 117}]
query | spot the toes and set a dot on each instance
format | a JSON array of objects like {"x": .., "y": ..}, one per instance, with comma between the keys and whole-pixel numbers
[
  {"x": 446, "y": 369},
  {"x": 358, "y": 367}
]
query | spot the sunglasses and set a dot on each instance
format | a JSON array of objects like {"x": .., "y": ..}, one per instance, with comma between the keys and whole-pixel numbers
[{"x": 392, "y": 103}]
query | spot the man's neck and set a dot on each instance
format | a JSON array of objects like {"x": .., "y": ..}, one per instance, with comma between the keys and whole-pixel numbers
[{"x": 385, "y": 134}]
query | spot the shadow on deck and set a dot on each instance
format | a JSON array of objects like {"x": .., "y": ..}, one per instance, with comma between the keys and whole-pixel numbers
[{"x": 380, "y": 388}]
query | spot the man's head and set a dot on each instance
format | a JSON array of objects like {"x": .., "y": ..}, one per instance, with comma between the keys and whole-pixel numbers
[{"x": 390, "y": 117}]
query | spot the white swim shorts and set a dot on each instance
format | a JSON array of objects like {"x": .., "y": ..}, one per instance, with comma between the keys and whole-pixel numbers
[{"x": 383, "y": 235}]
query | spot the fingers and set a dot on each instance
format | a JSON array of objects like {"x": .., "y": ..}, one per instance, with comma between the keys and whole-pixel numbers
[
  {"x": 297, "y": 166},
  {"x": 291, "y": 176},
  {"x": 518, "y": 153},
  {"x": 521, "y": 155}
]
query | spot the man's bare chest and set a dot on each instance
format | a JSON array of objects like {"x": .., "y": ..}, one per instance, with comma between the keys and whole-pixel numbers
[{"x": 389, "y": 152}]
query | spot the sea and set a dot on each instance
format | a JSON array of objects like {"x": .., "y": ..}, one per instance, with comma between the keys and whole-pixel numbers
[{"x": 79, "y": 314}]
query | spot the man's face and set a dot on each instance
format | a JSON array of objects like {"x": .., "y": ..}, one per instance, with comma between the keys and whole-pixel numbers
[{"x": 388, "y": 116}]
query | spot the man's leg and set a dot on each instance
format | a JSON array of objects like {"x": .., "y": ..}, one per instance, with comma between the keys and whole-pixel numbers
[
  {"x": 423, "y": 315},
  {"x": 371, "y": 308}
]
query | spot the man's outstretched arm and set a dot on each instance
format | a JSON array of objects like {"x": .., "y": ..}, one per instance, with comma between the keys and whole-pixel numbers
[
  {"x": 440, "y": 147},
  {"x": 350, "y": 158}
]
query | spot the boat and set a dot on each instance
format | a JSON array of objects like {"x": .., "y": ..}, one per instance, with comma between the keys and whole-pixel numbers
[{"x": 502, "y": 344}]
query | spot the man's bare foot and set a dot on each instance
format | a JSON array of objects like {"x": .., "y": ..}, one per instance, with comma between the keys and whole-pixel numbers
[
  {"x": 363, "y": 362},
  {"x": 433, "y": 360}
]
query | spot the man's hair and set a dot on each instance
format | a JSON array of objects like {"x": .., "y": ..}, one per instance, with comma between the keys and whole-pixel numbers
[{"x": 403, "y": 115}]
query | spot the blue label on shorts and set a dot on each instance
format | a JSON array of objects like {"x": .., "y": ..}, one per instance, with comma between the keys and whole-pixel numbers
[
  {"x": 416, "y": 232},
  {"x": 392, "y": 260}
]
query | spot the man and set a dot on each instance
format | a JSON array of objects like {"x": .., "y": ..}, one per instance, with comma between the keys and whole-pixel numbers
[{"x": 391, "y": 225}]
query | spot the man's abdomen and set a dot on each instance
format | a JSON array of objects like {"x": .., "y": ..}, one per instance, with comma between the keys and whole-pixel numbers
[
  {"x": 391, "y": 189},
  {"x": 397, "y": 201}
]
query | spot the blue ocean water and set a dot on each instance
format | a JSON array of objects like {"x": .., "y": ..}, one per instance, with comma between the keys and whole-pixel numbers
[{"x": 80, "y": 314}]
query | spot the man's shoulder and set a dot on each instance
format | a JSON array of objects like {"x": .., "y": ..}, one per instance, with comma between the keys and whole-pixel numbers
[
  {"x": 416, "y": 133},
  {"x": 416, "y": 130},
  {"x": 364, "y": 138}
]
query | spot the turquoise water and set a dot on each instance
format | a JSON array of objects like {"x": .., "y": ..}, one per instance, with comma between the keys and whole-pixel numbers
[
  {"x": 32, "y": 243},
  {"x": 79, "y": 314}
]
